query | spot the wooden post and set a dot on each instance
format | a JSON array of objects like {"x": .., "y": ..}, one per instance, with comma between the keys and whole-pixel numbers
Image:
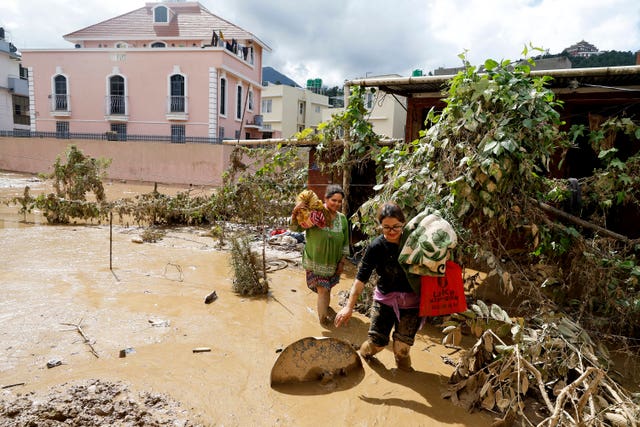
[{"x": 111, "y": 241}]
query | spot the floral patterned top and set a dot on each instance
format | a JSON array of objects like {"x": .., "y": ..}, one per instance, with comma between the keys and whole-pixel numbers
[{"x": 325, "y": 247}]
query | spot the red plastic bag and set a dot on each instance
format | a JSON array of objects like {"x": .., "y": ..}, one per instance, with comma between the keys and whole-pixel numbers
[{"x": 443, "y": 295}]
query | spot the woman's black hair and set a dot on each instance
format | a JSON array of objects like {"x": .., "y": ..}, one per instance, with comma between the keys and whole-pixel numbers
[
  {"x": 333, "y": 189},
  {"x": 390, "y": 210}
]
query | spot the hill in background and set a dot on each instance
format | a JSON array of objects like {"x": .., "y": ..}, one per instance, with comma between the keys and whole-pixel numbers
[{"x": 270, "y": 75}]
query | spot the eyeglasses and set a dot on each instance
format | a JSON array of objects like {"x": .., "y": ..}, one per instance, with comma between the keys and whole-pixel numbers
[{"x": 394, "y": 228}]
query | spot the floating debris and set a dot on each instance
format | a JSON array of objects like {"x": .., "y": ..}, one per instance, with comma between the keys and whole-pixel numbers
[
  {"x": 159, "y": 323},
  {"x": 53, "y": 363},
  {"x": 125, "y": 351},
  {"x": 211, "y": 297}
]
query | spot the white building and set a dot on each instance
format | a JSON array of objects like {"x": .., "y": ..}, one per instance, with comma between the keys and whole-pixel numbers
[
  {"x": 14, "y": 88},
  {"x": 287, "y": 110}
]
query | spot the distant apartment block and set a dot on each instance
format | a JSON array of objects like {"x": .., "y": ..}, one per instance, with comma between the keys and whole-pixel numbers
[
  {"x": 167, "y": 68},
  {"x": 287, "y": 110},
  {"x": 14, "y": 90}
]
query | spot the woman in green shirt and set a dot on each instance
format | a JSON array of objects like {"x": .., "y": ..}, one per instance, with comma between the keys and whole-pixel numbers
[{"x": 327, "y": 245}]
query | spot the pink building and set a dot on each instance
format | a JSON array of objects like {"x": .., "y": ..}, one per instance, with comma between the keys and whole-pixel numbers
[{"x": 168, "y": 69}]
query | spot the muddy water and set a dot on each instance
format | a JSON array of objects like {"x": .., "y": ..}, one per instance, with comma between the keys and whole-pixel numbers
[{"x": 56, "y": 284}]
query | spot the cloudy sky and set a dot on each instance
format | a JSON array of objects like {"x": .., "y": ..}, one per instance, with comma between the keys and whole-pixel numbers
[{"x": 338, "y": 40}]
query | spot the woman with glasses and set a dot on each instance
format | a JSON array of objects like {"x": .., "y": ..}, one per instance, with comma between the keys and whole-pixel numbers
[
  {"x": 326, "y": 247},
  {"x": 395, "y": 304}
]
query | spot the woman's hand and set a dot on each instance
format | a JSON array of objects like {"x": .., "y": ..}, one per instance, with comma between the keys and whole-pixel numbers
[
  {"x": 343, "y": 317},
  {"x": 340, "y": 267}
]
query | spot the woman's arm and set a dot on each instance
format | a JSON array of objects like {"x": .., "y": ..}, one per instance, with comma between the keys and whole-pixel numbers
[{"x": 345, "y": 313}]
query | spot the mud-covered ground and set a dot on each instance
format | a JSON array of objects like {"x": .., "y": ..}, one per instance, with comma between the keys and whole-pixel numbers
[
  {"x": 93, "y": 402},
  {"x": 73, "y": 299}
]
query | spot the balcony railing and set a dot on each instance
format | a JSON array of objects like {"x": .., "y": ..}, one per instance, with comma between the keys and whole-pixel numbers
[
  {"x": 255, "y": 122},
  {"x": 116, "y": 105},
  {"x": 60, "y": 104},
  {"x": 177, "y": 104},
  {"x": 243, "y": 52}
]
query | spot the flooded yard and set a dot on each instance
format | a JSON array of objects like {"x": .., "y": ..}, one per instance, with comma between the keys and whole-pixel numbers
[{"x": 72, "y": 299}]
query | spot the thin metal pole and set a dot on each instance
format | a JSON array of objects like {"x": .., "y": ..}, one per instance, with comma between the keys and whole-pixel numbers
[{"x": 111, "y": 241}]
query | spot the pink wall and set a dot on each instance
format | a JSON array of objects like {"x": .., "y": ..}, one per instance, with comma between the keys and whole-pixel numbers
[{"x": 197, "y": 164}]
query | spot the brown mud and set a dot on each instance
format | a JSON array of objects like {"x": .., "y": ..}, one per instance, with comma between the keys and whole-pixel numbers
[{"x": 57, "y": 288}]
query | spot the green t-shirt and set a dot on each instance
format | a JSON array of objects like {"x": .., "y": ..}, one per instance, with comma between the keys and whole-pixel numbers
[{"x": 325, "y": 247}]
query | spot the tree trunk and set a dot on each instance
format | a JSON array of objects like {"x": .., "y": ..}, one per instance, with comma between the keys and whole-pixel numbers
[{"x": 346, "y": 183}]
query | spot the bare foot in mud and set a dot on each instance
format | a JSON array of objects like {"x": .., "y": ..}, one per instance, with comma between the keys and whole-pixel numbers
[{"x": 328, "y": 320}]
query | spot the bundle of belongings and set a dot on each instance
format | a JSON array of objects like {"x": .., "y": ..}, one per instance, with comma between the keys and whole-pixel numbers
[
  {"x": 309, "y": 210},
  {"x": 424, "y": 255}
]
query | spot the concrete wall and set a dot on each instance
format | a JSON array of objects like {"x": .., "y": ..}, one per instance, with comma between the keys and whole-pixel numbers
[{"x": 197, "y": 164}]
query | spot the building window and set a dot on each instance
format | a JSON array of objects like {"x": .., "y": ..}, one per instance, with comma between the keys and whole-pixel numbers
[
  {"x": 24, "y": 72},
  {"x": 116, "y": 95},
  {"x": 223, "y": 96},
  {"x": 301, "y": 108},
  {"x": 266, "y": 105},
  {"x": 62, "y": 130},
  {"x": 160, "y": 15},
  {"x": 369, "y": 100},
  {"x": 317, "y": 108},
  {"x": 221, "y": 133},
  {"x": 120, "y": 130},
  {"x": 177, "y": 101},
  {"x": 60, "y": 101},
  {"x": 239, "y": 102},
  {"x": 21, "y": 110},
  {"x": 250, "y": 101},
  {"x": 158, "y": 44},
  {"x": 178, "y": 134}
]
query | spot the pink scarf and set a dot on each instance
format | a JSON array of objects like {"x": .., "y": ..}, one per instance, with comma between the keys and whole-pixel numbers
[{"x": 397, "y": 300}]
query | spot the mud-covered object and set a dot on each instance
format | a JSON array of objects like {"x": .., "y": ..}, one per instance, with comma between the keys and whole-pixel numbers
[
  {"x": 94, "y": 403},
  {"x": 315, "y": 359},
  {"x": 426, "y": 241}
]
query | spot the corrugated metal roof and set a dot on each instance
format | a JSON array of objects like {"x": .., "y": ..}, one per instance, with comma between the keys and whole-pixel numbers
[
  {"x": 189, "y": 21},
  {"x": 607, "y": 78}
]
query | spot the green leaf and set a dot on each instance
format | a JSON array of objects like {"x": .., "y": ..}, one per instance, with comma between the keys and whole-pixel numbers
[
  {"x": 604, "y": 153},
  {"x": 490, "y": 64}
]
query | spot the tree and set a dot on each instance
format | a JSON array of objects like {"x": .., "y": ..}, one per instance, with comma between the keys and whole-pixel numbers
[
  {"x": 483, "y": 162},
  {"x": 346, "y": 141},
  {"x": 72, "y": 180}
]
